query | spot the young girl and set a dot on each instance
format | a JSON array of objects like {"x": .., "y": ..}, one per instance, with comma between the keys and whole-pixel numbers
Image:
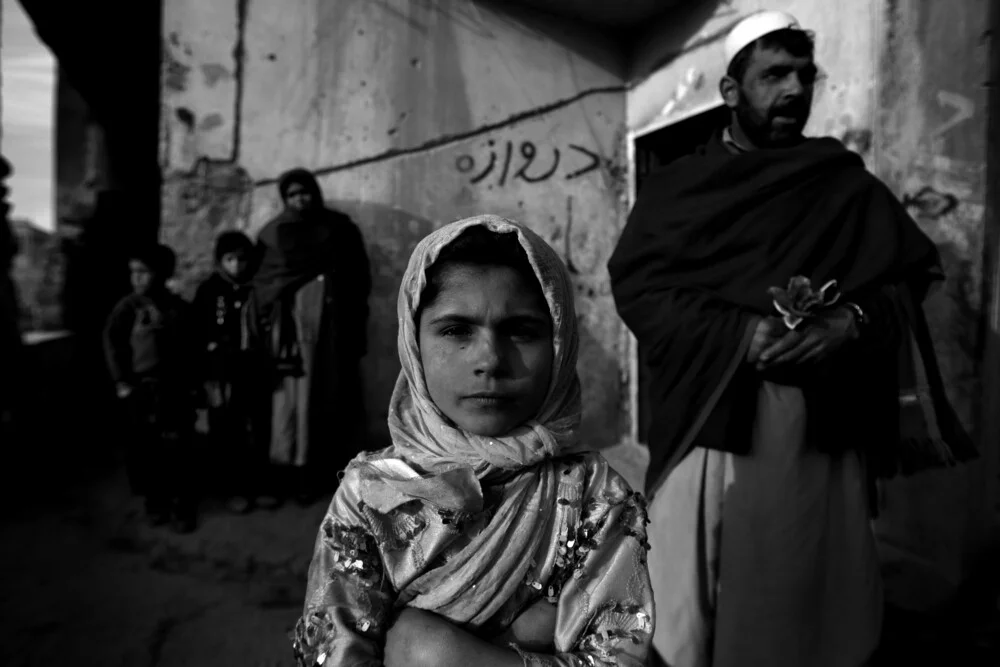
[{"x": 484, "y": 533}]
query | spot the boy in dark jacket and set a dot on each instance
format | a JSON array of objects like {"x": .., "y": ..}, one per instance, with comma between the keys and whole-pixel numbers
[
  {"x": 238, "y": 404},
  {"x": 149, "y": 355}
]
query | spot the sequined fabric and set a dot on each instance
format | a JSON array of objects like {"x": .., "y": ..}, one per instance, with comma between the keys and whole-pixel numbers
[
  {"x": 477, "y": 529},
  {"x": 590, "y": 563}
]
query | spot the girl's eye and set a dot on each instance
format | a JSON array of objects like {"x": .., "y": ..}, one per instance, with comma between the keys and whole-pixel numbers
[
  {"x": 455, "y": 331},
  {"x": 524, "y": 333}
]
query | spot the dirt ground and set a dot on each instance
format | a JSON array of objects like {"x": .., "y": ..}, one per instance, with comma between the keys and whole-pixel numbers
[{"x": 86, "y": 583}]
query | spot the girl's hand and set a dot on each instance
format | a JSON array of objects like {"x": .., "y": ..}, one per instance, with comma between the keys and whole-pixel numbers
[
  {"x": 416, "y": 638},
  {"x": 422, "y": 639},
  {"x": 534, "y": 630}
]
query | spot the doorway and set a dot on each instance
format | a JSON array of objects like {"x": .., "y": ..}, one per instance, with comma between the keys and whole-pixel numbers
[{"x": 651, "y": 151}]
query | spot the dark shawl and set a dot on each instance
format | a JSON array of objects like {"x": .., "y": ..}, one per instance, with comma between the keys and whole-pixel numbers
[
  {"x": 711, "y": 232},
  {"x": 295, "y": 248}
]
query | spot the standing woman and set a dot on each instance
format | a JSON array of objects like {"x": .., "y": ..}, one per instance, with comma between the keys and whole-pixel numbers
[{"x": 308, "y": 315}]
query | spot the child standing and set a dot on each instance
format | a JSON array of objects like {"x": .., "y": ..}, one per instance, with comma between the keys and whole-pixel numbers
[
  {"x": 237, "y": 399},
  {"x": 149, "y": 356},
  {"x": 487, "y": 534}
]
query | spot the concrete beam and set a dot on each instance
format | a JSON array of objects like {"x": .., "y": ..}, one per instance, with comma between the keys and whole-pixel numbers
[{"x": 617, "y": 14}]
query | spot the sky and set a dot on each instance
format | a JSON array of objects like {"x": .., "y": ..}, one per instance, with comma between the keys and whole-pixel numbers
[{"x": 28, "y": 117}]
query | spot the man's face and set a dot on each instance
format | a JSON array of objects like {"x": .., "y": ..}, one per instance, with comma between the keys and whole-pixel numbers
[{"x": 773, "y": 101}]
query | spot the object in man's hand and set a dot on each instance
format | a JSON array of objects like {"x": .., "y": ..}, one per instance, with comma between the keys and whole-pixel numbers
[{"x": 799, "y": 301}]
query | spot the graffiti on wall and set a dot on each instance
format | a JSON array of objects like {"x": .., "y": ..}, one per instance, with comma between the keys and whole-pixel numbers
[
  {"x": 529, "y": 164},
  {"x": 928, "y": 203},
  {"x": 582, "y": 254},
  {"x": 962, "y": 110}
]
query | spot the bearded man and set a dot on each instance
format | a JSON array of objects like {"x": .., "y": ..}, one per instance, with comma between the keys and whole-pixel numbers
[{"x": 768, "y": 432}]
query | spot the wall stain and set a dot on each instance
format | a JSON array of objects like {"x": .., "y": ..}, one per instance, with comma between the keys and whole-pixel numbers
[
  {"x": 210, "y": 122},
  {"x": 213, "y": 196},
  {"x": 858, "y": 140},
  {"x": 185, "y": 116},
  {"x": 213, "y": 73},
  {"x": 175, "y": 73}
]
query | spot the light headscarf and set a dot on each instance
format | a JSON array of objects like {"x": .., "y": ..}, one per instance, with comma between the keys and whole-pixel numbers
[
  {"x": 435, "y": 461},
  {"x": 422, "y": 431}
]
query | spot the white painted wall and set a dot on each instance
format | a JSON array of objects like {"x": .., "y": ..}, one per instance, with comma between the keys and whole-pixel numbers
[{"x": 398, "y": 106}]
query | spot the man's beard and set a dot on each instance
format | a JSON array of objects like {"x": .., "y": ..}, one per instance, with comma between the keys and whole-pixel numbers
[{"x": 759, "y": 126}]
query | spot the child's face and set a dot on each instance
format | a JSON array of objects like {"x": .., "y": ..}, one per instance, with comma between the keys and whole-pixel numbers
[
  {"x": 234, "y": 263},
  {"x": 144, "y": 279},
  {"x": 486, "y": 349}
]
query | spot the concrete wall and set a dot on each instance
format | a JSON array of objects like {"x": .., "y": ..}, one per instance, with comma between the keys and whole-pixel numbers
[
  {"x": 412, "y": 113},
  {"x": 930, "y": 147},
  {"x": 678, "y": 64},
  {"x": 902, "y": 85}
]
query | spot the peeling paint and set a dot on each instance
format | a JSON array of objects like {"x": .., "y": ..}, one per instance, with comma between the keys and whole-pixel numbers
[
  {"x": 197, "y": 205},
  {"x": 213, "y": 72},
  {"x": 210, "y": 122},
  {"x": 175, "y": 73}
]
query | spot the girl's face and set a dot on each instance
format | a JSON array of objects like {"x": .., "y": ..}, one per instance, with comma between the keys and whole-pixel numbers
[{"x": 486, "y": 348}]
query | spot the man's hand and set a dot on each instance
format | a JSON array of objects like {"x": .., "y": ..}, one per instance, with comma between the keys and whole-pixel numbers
[
  {"x": 768, "y": 332},
  {"x": 816, "y": 342},
  {"x": 421, "y": 639},
  {"x": 123, "y": 390}
]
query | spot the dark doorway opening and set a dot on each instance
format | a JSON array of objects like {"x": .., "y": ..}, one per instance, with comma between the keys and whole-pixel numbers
[{"x": 652, "y": 151}]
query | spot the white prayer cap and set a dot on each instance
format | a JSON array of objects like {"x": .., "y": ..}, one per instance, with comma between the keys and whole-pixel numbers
[{"x": 753, "y": 28}]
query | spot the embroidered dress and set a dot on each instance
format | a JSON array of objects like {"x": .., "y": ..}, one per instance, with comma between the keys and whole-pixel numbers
[{"x": 478, "y": 529}]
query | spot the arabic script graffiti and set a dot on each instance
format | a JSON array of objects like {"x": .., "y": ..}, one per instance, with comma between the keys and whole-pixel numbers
[{"x": 531, "y": 168}]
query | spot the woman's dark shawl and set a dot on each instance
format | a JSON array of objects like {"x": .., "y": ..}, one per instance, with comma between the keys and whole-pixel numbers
[
  {"x": 711, "y": 232},
  {"x": 295, "y": 248}
]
